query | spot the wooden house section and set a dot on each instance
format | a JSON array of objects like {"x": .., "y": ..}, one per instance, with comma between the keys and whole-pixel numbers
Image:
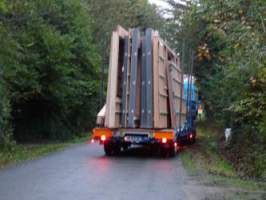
[
  {"x": 145, "y": 83},
  {"x": 175, "y": 85},
  {"x": 169, "y": 103},
  {"x": 160, "y": 91},
  {"x": 114, "y": 92}
]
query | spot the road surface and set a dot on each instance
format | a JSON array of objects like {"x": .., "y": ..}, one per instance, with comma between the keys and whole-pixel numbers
[{"x": 82, "y": 172}]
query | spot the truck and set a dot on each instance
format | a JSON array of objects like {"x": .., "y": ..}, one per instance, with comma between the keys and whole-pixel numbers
[{"x": 149, "y": 101}]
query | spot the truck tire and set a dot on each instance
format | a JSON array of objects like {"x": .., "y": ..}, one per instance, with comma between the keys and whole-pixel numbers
[
  {"x": 116, "y": 150},
  {"x": 111, "y": 149},
  {"x": 172, "y": 151},
  {"x": 108, "y": 149},
  {"x": 164, "y": 152}
]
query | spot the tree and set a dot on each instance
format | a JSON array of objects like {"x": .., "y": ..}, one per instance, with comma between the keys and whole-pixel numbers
[
  {"x": 5, "y": 118},
  {"x": 229, "y": 39},
  {"x": 51, "y": 72},
  {"x": 107, "y": 14}
]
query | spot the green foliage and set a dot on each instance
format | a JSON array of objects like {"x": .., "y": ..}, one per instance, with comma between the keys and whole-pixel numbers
[
  {"x": 107, "y": 14},
  {"x": 5, "y": 128},
  {"x": 6, "y": 141},
  {"x": 230, "y": 67},
  {"x": 205, "y": 158},
  {"x": 228, "y": 38},
  {"x": 28, "y": 152},
  {"x": 50, "y": 57},
  {"x": 50, "y": 68}
]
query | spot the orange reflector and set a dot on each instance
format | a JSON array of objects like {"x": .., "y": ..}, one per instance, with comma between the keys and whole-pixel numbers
[
  {"x": 167, "y": 135},
  {"x": 98, "y": 132},
  {"x": 164, "y": 140}
]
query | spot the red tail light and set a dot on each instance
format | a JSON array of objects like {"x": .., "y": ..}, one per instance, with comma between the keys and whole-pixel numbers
[
  {"x": 190, "y": 136},
  {"x": 103, "y": 138}
]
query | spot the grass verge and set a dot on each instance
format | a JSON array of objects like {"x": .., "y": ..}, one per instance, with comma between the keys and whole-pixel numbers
[
  {"x": 204, "y": 158},
  {"x": 24, "y": 152}
]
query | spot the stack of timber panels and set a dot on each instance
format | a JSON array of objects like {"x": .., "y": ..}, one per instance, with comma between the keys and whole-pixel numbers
[{"x": 145, "y": 83}]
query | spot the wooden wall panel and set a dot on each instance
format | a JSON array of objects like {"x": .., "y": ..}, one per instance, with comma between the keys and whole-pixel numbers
[
  {"x": 114, "y": 94},
  {"x": 175, "y": 84},
  {"x": 172, "y": 93},
  {"x": 125, "y": 82},
  {"x": 163, "y": 87},
  {"x": 112, "y": 82},
  {"x": 156, "y": 114}
]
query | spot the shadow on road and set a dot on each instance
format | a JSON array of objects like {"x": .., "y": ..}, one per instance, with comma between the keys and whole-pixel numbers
[{"x": 140, "y": 153}]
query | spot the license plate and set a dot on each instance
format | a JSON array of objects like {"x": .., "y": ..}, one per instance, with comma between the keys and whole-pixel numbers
[{"x": 134, "y": 139}]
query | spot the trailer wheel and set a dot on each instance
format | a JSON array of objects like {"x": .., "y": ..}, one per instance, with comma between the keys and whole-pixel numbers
[
  {"x": 108, "y": 149},
  {"x": 111, "y": 149},
  {"x": 164, "y": 152},
  {"x": 116, "y": 150},
  {"x": 172, "y": 151}
]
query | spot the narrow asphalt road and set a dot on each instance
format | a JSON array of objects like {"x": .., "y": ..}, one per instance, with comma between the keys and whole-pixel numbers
[{"x": 82, "y": 172}]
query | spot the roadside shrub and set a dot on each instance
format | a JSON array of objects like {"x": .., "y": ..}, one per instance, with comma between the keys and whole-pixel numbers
[
  {"x": 247, "y": 152},
  {"x": 6, "y": 140},
  {"x": 229, "y": 41}
]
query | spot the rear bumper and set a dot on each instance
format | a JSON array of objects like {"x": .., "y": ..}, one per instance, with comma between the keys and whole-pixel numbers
[
  {"x": 145, "y": 141},
  {"x": 163, "y": 137},
  {"x": 153, "y": 143}
]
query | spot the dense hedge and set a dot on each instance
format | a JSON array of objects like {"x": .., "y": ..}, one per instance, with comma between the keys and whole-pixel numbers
[
  {"x": 5, "y": 129},
  {"x": 229, "y": 40},
  {"x": 50, "y": 56},
  {"x": 50, "y": 68}
]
